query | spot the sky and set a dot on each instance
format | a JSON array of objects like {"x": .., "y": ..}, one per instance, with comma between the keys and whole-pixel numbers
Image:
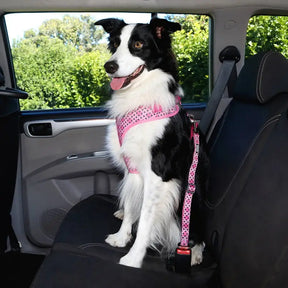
[{"x": 18, "y": 23}]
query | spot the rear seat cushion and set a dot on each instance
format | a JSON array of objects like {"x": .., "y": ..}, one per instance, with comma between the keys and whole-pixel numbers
[
  {"x": 87, "y": 221},
  {"x": 71, "y": 268},
  {"x": 80, "y": 257},
  {"x": 90, "y": 221}
]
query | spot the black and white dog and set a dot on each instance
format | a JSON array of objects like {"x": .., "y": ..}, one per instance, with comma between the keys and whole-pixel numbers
[{"x": 150, "y": 140}]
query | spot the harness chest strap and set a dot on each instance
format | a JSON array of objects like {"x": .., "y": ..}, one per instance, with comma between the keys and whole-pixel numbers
[{"x": 138, "y": 116}]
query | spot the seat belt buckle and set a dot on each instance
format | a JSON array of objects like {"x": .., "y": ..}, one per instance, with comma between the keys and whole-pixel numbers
[
  {"x": 194, "y": 125},
  {"x": 183, "y": 259}
]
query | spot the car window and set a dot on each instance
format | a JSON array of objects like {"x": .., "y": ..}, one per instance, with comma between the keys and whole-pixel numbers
[
  {"x": 266, "y": 32},
  {"x": 59, "y": 58}
]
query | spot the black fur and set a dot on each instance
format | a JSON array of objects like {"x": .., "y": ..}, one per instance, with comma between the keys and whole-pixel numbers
[
  {"x": 156, "y": 52},
  {"x": 172, "y": 157},
  {"x": 172, "y": 154}
]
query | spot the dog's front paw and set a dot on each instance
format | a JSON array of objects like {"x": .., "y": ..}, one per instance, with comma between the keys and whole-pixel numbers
[
  {"x": 119, "y": 214},
  {"x": 128, "y": 260},
  {"x": 197, "y": 254},
  {"x": 118, "y": 240}
]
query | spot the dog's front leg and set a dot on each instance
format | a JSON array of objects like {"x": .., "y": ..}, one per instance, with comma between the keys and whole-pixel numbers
[
  {"x": 131, "y": 200},
  {"x": 123, "y": 236},
  {"x": 150, "y": 202}
]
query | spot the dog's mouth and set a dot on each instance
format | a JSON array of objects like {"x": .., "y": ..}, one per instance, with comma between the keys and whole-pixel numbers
[{"x": 121, "y": 82}]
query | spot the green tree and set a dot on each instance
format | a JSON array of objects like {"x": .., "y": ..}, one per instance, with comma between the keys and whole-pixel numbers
[
  {"x": 42, "y": 66},
  {"x": 78, "y": 32},
  {"x": 89, "y": 80},
  {"x": 191, "y": 47},
  {"x": 266, "y": 33},
  {"x": 61, "y": 71}
]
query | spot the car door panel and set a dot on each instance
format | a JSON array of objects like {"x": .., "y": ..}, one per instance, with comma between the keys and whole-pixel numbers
[{"x": 60, "y": 169}]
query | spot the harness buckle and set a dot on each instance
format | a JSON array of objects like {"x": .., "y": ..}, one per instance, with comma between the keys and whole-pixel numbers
[
  {"x": 194, "y": 125},
  {"x": 183, "y": 259}
]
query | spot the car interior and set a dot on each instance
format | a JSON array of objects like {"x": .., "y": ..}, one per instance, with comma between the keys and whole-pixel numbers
[{"x": 58, "y": 187}]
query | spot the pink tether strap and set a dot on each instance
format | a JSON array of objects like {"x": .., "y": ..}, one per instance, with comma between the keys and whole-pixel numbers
[
  {"x": 190, "y": 189},
  {"x": 141, "y": 115}
]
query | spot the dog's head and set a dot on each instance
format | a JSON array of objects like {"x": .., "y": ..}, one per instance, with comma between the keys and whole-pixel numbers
[{"x": 138, "y": 47}]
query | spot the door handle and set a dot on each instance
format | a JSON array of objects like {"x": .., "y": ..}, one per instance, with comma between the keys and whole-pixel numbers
[
  {"x": 51, "y": 128},
  {"x": 40, "y": 129}
]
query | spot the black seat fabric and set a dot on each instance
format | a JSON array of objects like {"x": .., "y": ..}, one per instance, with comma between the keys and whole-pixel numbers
[
  {"x": 80, "y": 245},
  {"x": 69, "y": 268},
  {"x": 91, "y": 212},
  {"x": 239, "y": 203},
  {"x": 248, "y": 188}
]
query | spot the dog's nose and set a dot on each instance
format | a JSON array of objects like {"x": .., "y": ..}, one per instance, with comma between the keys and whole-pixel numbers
[{"x": 111, "y": 67}]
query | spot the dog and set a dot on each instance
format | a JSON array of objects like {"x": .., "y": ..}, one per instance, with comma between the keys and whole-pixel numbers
[{"x": 155, "y": 155}]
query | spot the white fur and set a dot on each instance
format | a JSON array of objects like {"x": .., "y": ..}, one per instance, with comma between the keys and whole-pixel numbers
[
  {"x": 144, "y": 197},
  {"x": 119, "y": 214},
  {"x": 144, "y": 194},
  {"x": 197, "y": 253},
  {"x": 150, "y": 88},
  {"x": 126, "y": 61}
]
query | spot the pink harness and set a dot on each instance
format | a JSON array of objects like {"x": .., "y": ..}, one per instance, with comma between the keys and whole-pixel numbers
[
  {"x": 139, "y": 116},
  {"x": 145, "y": 114}
]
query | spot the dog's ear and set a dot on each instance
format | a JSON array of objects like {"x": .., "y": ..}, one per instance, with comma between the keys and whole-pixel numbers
[
  {"x": 162, "y": 27},
  {"x": 111, "y": 24}
]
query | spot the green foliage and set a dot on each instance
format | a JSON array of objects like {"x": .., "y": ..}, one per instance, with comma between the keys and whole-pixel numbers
[
  {"x": 191, "y": 47},
  {"x": 266, "y": 33},
  {"x": 89, "y": 81},
  {"x": 78, "y": 32},
  {"x": 60, "y": 68},
  {"x": 42, "y": 68}
]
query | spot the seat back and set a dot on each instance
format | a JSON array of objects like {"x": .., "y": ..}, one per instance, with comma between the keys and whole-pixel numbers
[{"x": 245, "y": 203}]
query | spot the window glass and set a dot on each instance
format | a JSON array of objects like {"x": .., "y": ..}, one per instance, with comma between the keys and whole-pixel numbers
[
  {"x": 266, "y": 33},
  {"x": 58, "y": 57}
]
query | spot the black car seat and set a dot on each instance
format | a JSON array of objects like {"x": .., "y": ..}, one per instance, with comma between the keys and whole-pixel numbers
[
  {"x": 245, "y": 213},
  {"x": 247, "y": 198}
]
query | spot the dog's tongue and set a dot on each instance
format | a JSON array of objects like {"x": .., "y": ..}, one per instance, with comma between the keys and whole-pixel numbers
[{"x": 117, "y": 83}]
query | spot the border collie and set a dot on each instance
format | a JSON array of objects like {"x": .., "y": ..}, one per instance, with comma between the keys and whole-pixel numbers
[{"x": 150, "y": 140}]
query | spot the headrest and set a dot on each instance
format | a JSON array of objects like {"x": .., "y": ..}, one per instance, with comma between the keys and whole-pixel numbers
[{"x": 263, "y": 76}]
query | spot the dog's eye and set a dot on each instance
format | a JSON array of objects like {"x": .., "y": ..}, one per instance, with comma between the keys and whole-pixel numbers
[
  {"x": 138, "y": 44},
  {"x": 115, "y": 44}
]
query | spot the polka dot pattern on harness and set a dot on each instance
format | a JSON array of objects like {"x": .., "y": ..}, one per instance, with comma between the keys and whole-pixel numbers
[
  {"x": 138, "y": 116},
  {"x": 142, "y": 115}
]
